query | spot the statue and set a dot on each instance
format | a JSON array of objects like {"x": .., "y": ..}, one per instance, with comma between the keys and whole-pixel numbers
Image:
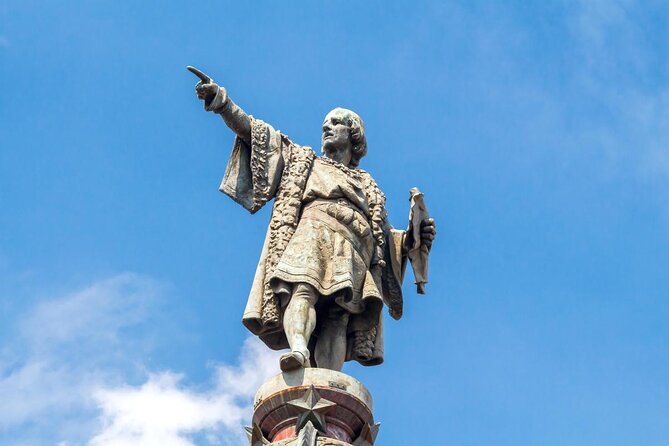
[{"x": 330, "y": 260}]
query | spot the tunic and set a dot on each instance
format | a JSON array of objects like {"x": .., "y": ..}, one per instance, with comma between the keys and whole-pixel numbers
[
  {"x": 328, "y": 228},
  {"x": 333, "y": 246}
]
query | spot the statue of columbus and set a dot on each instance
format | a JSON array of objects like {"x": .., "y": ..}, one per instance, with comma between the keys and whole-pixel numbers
[{"x": 330, "y": 258}]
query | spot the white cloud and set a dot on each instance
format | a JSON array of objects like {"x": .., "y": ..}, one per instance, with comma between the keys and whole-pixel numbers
[
  {"x": 62, "y": 345},
  {"x": 165, "y": 412},
  {"x": 64, "y": 367}
]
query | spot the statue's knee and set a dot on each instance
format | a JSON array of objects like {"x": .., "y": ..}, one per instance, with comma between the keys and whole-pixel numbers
[{"x": 306, "y": 292}]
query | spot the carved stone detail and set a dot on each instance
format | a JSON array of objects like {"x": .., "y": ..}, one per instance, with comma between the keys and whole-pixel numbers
[
  {"x": 307, "y": 436},
  {"x": 305, "y": 399}
]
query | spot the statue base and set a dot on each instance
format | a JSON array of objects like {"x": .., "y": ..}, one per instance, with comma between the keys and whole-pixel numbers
[{"x": 309, "y": 407}]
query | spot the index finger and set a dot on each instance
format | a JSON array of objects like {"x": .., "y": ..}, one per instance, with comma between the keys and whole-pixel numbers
[{"x": 203, "y": 77}]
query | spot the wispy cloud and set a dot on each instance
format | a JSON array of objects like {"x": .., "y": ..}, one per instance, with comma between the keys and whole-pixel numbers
[
  {"x": 92, "y": 316},
  {"x": 625, "y": 69},
  {"x": 65, "y": 367}
]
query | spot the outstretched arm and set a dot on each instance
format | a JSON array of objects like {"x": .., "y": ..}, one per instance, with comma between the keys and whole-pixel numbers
[
  {"x": 216, "y": 100},
  {"x": 256, "y": 165}
]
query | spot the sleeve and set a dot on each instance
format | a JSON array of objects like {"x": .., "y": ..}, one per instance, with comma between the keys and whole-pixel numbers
[
  {"x": 398, "y": 262},
  {"x": 393, "y": 273},
  {"x": 253, "y": 173}
]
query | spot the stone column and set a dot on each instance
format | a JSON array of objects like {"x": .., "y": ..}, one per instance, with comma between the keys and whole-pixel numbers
[{"x": 309, "y": 407}]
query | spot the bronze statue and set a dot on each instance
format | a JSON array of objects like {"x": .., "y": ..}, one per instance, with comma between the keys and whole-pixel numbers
[{"x": 330, "y": 258}]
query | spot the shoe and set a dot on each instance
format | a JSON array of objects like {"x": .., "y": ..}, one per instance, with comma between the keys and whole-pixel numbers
[{"x": 291, "y": 361}]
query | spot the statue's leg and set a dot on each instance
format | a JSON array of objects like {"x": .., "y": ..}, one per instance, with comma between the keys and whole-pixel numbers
[
  {"x": 331, "y": 344},
  {"x": 299, "y": 321}
]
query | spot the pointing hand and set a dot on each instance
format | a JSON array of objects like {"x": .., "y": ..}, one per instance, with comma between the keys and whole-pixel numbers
[{"x": 206, "y": 89}]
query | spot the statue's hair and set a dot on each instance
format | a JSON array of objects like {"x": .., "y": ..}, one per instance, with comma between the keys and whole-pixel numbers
[{"x": 354, "y": 122}]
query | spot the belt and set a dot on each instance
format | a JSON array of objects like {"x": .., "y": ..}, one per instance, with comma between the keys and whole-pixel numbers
[{"x": 338, "y": 201}]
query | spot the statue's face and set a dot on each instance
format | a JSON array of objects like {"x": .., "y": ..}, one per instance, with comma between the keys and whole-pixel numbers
[{"x": 336, "y": 140}]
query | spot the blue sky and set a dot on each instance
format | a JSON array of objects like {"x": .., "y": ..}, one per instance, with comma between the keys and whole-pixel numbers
[{"x": 539, "y": 132}]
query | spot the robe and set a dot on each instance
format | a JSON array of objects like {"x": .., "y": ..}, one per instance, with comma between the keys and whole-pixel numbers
[{"x": 328, "y": 228}]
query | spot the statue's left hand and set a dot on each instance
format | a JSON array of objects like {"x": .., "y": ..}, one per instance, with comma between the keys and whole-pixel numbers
[{"x": 428, "y": 231}]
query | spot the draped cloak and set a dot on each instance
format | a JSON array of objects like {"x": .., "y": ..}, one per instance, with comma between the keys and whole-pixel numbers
[{"x": 328, "y": 228}]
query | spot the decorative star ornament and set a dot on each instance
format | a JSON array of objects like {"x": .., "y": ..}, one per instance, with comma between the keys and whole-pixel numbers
[{"x": 312, "y": 408}]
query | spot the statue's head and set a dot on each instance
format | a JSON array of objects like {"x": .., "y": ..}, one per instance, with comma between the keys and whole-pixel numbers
[{"x": 344, "y": 137}]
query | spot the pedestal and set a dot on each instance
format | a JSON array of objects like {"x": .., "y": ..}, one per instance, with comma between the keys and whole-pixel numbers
[{"x": 309, "y": 407}]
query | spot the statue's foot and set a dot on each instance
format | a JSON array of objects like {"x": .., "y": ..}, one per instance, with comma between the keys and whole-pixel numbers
[{"x": 291, "y": 361}]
